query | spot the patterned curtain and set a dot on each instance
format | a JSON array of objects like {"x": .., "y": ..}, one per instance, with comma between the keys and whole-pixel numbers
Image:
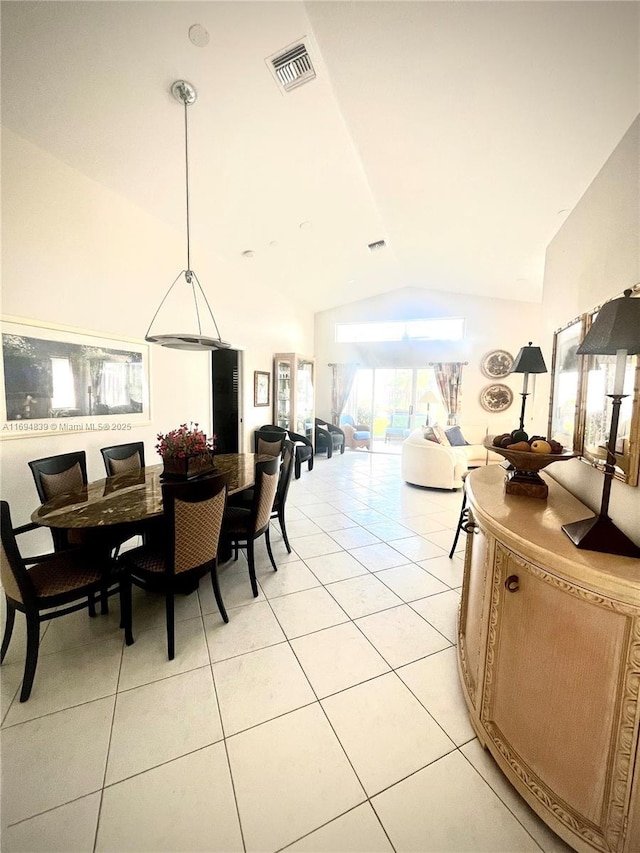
[
  {"x": 341, "y": 385},
  {"x": 449, "y": 379}
]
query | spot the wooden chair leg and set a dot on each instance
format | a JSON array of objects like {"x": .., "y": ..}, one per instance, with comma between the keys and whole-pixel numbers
[
  {"x": 126, "y": 609},
  {"x": 216, "y": 591},
  {"x": 269, "y": 551},
  {"x": 283, "y": 527},
  {"x": 8, "y": 628},
  {"x": 171, "y": 628},
  {"x": 33, "y": 642},
  {"x": 252, "y": 567}
]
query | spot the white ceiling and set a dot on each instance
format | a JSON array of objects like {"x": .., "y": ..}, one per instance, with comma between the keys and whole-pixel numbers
[{"x": 460, "y": 132}]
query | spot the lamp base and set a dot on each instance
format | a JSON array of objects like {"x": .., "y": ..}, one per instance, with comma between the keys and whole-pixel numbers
[{"x": 600, "y": 534}]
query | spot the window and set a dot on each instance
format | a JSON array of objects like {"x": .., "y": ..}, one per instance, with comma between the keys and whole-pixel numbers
[{"x": 426, "y": 329}]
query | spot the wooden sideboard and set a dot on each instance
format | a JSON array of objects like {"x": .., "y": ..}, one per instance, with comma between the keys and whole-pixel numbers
[{"x": 549, "y": 660}]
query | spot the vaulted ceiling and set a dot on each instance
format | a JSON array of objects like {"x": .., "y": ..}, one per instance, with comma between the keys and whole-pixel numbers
[{"x": 461, "y": 133}]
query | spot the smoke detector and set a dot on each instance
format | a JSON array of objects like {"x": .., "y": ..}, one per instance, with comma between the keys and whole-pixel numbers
[{"x": 292, "y": 66}]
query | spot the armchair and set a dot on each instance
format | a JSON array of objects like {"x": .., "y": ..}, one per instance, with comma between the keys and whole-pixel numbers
[
  {"x": 355, "y": 435},
  {"x": 328, "y": 438},
  {"x": 303, "y": 446}
]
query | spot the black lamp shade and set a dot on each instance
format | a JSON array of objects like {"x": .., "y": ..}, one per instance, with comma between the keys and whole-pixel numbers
[
  {"x": 616, "y": 327},
  {"x": 529, "y": 360}
]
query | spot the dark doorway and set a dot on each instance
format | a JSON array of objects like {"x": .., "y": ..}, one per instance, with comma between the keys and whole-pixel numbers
[{"x": 225, "y": 378}]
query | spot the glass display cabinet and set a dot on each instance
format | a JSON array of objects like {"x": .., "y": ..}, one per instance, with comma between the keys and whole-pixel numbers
[{"x": 294, "y": 398}]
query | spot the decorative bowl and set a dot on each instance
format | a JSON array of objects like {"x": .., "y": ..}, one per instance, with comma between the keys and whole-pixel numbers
[{"x": 528, "y": 460}]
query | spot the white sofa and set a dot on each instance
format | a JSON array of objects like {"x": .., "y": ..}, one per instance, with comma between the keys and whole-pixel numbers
[{"x": 426, "y": 463}]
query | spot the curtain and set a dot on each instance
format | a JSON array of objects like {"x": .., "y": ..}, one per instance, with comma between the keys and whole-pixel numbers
[
  {"x": 449, "y": 379},
  {"x": 341, "y": 385}
]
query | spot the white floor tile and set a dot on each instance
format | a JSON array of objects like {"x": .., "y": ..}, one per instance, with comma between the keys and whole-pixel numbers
[
  {"x": 10, "y": 683},
  {"x": 410, "y": 582},
  {"x": 428, "y": 812},
  {"x": 400, "y": 635},
  {"x": 54, "y": 759},
  {"x": 314, "y": 546},
  {"x": 307, "y": 611},
  {"x": 69, "y": 678},
  {"x": 248, "y": 628},
  {"x": 385, "y": 713},
  {"x": 339, "y": 521},
  {"x": 491, "y": 773},
  {"x": 304, "y": 527},
  {"x": 335, "y": 567},
  {"x": 441, "y": 611},
  {"x": 146, "y": 660},
  {"x": 317, "y": 510},
  {"x": 67, "y": 829},
  {"x": 358, "y": 831},
  {"x": 444, "y": 539},
  {"x": 448, "y": 571},
  {"x": 423, "y": 524},
  {"x": 149, "y": 609},
  {"x": 290, "y": 777},
  {"x": 387, "y": 530},
  {"x": 153, "y": 723},
  {"x": 291, "y": 577},
  {"x": 259, "y": 686},
  {"x": 417, "y": 548},
  {"x": 337, "y": 658},
  {"x": 377, "y": 557},
  {"x": 78, "y": 629},
  {"x": 185, "y": 805},
  {"x": 362, "y": 595},
  {"x": 436, "y": 683},
  {"x": 280, "y": 554},
  {"x": 354, "y": 537},
  {"x": 235, "y": 588}
]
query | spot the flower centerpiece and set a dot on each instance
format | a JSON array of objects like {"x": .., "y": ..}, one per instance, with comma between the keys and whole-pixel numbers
[{"x": 186, "y": 452}]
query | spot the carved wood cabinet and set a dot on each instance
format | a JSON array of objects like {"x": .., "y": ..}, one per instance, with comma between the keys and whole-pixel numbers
[{"x": 549, "y": 659}]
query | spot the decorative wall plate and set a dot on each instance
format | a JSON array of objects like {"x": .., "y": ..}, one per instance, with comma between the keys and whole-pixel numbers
[
  {"x": 496, "y": 398},
  {"x": 496, "y": 364}
]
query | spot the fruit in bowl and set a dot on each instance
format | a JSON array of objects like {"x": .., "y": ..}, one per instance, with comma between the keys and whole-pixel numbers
[{"x": 518, "y": 440}]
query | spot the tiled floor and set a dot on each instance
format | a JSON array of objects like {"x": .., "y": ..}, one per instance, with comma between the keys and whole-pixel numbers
[{"x": 326, "y": 716}]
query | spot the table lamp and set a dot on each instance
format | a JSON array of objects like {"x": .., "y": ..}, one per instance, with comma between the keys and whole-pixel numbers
[
  {"x": 428, "y": 397},
  {"x": 615, "y": 331},
  {"x": 529, "y": 360}
]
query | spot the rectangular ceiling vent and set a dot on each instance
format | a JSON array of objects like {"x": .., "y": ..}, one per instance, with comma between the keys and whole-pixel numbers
[
  {"x": 292, "y": 67},
  {"x": 375, "y": 247}
]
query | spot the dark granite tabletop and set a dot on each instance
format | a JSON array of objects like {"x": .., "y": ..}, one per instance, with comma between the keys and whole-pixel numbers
[{"x": 133, "y": 496}]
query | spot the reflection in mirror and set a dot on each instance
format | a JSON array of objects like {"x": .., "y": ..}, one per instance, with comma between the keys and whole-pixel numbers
[{"x": 565, "y": 412}]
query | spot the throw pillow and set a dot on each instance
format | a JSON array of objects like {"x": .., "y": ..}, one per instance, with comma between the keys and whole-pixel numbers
[
  {"x": 430, "y": 435},
  {"x": 455, "y": 436},
  {"x": 442, "y": 436}
]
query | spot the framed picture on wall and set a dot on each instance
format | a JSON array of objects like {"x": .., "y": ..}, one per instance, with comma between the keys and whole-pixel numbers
[{"x": 261, "y": 383}]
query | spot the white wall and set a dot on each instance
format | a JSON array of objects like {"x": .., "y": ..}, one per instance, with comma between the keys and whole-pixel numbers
[
  {"x": 79, "y": 255},
  {"x": 489, "y": 324},
  {"x": 594, "y": 257}
]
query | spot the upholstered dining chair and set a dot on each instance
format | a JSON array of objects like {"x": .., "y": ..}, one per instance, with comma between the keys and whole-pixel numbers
[
  {"x": 120, "y": 458},
  {"x": 40, "y": 586},
  {"x": 242, "y": 526},
  {"x": 193, "y": 514},
  {"x": 245, "y": 498},
  {"x": 269, "y": 442},
  {"x": 59, "y": 475},
  {"x": 303, "y": 447}
]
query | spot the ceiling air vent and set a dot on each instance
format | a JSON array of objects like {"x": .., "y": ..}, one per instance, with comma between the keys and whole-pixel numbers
[
  {"x": 379, "y": 244},
  {"x": 292, "y": 67}
]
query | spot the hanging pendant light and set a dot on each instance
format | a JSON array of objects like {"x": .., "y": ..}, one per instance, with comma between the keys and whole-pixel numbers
[{"x": 196, "y": 340}]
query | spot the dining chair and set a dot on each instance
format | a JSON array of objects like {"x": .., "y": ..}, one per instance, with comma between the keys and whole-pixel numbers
[
  {"x": 303, "y": 447},
  {"x": 40, "y": 586},
  {"x": 245, "y": 498},
  {"x": 120, "y": 458},
  {"x": 59, "y": 475},
  {"x": 193, "y": 513},
  {"x": 242, "y": 526},
  {"x": 268, "y": 442}
]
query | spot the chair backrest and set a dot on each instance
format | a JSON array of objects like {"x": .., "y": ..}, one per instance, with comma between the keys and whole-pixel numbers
[
  {"x": 264, "y": 493},
  {"x": 14, "y": 575},
  {"x": 56, "y": 475},
  {"x": 347, "y": 419},
  {"x": 123, "y": 457},
  {"x": 193, "y": 512},
  {"x": 286, "y": 473},
  {"x": 269, "y": 442}
]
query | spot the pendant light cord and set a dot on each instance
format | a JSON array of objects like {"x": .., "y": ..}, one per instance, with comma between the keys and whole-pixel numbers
[{"x": 186, "y": 172}]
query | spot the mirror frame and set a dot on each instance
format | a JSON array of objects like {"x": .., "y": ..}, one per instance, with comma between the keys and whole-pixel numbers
[{"x": 628, "y": 462}]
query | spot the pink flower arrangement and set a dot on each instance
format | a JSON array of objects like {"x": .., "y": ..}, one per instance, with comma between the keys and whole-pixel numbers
[{"x": 185, "y": 441}]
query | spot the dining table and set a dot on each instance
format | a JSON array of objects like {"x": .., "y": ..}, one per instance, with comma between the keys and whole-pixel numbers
[{"x": 133, "y": 497}]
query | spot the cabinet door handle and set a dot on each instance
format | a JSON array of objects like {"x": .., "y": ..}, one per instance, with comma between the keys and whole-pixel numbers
[{"x": 512, "y": 583}]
